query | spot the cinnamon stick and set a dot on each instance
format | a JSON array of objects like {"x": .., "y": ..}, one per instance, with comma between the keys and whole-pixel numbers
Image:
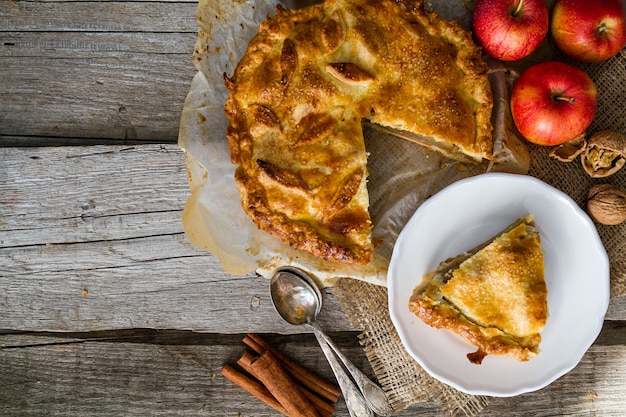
[
  {"x": 252, "y": 387},
  {"x": 270, "y": 372},
  {"x": 324, "y": 408},
  {"x": 307, "y": 378}
]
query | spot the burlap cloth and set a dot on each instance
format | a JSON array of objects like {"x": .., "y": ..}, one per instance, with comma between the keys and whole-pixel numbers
[{"x": 401, "y": 377}]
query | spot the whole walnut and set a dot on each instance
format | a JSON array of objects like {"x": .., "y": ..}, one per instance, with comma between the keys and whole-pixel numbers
[{"x": 606, "y": 204}]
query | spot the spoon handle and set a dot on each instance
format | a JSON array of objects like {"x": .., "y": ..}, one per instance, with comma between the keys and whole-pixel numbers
[
  {"x": 354, "y": 400},
  {"x": 373, "y": 394}
]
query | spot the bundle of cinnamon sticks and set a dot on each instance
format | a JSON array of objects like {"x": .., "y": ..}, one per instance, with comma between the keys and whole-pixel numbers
[{"x": 280, "y": 382}]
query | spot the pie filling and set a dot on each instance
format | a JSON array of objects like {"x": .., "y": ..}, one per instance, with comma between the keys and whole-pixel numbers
[{"x": 493, "y": 296}]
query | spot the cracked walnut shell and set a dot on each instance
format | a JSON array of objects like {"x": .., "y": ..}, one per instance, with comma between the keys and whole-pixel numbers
[
  {"x": 605, "y": 154},
  {"x": 568, "y": 151}
]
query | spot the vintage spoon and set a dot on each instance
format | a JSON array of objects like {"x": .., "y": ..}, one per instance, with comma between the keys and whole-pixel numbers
[{"x": 298, "y": 300}]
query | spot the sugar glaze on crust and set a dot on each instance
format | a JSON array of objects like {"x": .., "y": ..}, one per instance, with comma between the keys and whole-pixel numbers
[
  {"x": 299, "y": 95},
  {"x": 494, "y": 296}
]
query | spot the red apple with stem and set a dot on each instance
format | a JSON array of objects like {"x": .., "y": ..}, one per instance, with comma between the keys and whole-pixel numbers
[
  {"x": 589, "y": 31},
  {"x": 510, "y": 29},
  {"x": 553, "y": 102}
]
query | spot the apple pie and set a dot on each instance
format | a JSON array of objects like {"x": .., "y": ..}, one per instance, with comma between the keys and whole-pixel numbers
[
  {"x": 494, "y": 296},
  {"x": 301, "y": 91}
]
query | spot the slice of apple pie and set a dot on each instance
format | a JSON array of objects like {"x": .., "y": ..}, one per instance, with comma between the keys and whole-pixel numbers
[{"x": 494, "y": 296}]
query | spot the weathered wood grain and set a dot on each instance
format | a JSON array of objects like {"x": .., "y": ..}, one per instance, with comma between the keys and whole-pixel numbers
[
  {"x": 86, "y": 194},
  {"x": 127, "y": 87},
  {"x": 91, "y": 238},
  {"x": 101, "y": 72},
  {"x": 126, "y": 378},
  {"x": 99, "y": 16},
  {"x": 92, "y": 249},
  {"x": 170, "y": 373}
]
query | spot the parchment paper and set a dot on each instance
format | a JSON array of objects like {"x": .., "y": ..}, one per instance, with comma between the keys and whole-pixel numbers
[{"x": 402, "y": 175}]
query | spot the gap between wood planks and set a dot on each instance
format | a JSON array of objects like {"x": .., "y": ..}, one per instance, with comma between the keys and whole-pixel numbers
[
  {"x": 166, "y": 337},
  {"x": 613, "y": 333}
]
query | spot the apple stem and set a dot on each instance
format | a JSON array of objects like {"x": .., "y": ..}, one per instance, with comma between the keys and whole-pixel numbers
[
  {"x": 562, "y": 98},
  {"x": 518, "y": 9}
]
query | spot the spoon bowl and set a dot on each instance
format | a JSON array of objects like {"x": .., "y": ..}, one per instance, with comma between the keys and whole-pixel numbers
[{"x": 296, "y": 297}]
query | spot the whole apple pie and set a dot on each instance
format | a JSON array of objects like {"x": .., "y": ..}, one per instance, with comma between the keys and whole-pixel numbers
[{"x": 305, "y": 84}]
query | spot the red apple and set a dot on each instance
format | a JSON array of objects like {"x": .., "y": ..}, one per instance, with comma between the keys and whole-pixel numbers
[
  {"x": 589, "y": 31},
  {"x": 553, "y": 102},
  {"x": 510, "y": 29}
]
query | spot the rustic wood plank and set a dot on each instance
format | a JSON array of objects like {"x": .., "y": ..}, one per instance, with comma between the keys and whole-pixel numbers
[
  {"x": 91, "y": 238},
  {"x": 173, "y": 293},
  {"x": 13, "y": 141},
  {"x": 80, "y": 45},
  {"x": 109, "y": 86},
  {"x": 594, "y": 387},
  {"x": 136, "y": 378},
  {"x": 62, "y": 233},
  {"x": 102, "y": 72},
  {"x": 169, "y": 373},
  {"x": 86, "y": 194},
  {"x": 96, "y": 16},
  {"x": 105, "y": 249}
]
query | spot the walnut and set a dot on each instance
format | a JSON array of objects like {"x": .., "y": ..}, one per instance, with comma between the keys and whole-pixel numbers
[
  {"x": 605, "y": 154},
  {"x": 568, "y": 151},
  {"x": 606, "y": 204}
]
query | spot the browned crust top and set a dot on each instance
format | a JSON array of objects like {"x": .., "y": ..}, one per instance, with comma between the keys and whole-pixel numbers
[
  {"x": 299, "y": 94},
  {"x": 499, "y": 300}
]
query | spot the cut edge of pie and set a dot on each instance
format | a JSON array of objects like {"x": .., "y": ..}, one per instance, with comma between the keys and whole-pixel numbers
[
  {"x": 299, "y": 94},
  {"x": 494, "y": 296}
]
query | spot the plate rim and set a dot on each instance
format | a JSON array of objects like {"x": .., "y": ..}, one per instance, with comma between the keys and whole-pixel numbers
[{"x": 593, "y": 330}]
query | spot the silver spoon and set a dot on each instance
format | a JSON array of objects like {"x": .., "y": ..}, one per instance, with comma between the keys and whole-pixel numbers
[{"x": 298, "y": 300}]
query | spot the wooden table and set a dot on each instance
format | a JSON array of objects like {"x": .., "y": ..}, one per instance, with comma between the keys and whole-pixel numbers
[{"x": 105, "y": 308}]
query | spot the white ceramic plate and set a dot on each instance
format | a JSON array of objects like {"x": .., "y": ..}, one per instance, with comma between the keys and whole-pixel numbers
[{"x": 466, "y": 214}]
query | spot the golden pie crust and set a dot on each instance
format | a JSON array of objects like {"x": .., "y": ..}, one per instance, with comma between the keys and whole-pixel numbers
[
  {"x": 299, "y": 95},
  {"x": 494, "y": 296}
]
